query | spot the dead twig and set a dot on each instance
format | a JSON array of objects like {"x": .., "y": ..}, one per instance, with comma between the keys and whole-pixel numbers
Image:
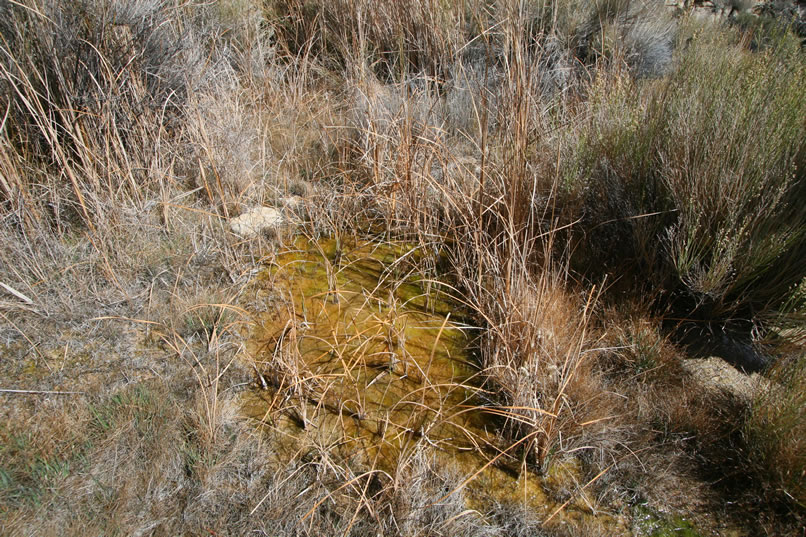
[{"x": 39, "y": 392}]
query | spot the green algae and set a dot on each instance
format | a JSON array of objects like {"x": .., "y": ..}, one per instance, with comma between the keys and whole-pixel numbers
[
  {"x": 357, "y": 332},
  {"x": 649, "y": 523},
  {"x": 367, "y": 356}
]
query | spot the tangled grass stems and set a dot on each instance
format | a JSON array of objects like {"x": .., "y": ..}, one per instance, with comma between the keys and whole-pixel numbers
[{"x": 531, "y": 151}]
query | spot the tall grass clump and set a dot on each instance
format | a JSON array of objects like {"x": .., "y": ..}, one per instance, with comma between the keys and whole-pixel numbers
[
  {"x": 775, "y": 432},
  {"x": 540, "y": 357},
  {"x": 391, "y": 38},
  {"x": 109, "y": 137},
  {"x": 95, "y": 93}
]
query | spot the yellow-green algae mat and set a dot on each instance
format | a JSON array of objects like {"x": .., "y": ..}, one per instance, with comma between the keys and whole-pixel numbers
[{"x": 360, "y": 354}]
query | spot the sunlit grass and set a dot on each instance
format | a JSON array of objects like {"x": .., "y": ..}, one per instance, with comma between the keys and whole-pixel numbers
[{"x": 579, "y": 178}]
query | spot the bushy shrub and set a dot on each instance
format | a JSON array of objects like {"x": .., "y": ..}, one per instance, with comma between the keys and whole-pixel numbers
[{"x": 699, "y": 178}]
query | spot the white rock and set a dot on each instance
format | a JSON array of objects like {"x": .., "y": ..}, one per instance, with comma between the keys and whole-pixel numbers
[
  {"x": 256, "y": 220},
  {"x": 715, "y": 373}
]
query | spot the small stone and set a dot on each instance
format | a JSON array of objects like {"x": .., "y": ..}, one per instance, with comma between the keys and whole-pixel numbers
[{"x": 255, "y": 221}]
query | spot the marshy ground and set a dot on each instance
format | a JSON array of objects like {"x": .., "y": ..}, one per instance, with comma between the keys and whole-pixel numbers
[{"x": 512, "y": 252}]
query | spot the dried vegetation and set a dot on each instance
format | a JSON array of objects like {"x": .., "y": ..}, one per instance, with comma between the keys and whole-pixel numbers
[{"x": 608, "y": 187}]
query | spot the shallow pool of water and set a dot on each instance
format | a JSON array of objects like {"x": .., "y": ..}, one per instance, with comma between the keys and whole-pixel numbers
[{"x": 363, "y": 354}]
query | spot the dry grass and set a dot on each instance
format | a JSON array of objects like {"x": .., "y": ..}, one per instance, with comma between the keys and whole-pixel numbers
[
  {"x": 532, "y": 152},
  {"x": 775, "y": 432}
]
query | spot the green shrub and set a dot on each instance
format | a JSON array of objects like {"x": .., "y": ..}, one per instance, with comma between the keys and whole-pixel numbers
[{"x": 700, "y": 178}]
